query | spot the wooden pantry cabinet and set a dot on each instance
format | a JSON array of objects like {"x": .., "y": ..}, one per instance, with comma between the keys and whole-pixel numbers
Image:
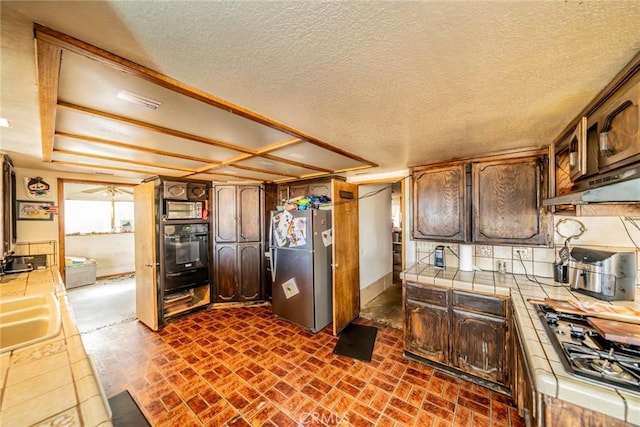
[
  {"x": 495, "y": 200},
  {"x": 463, "y": 330},
  {"x": 237, "y": 248}
]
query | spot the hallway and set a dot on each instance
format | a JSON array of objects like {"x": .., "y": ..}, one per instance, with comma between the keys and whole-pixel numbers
[
  {"x": 386, "y": 308},
  {"x": 105, "y": 303}
]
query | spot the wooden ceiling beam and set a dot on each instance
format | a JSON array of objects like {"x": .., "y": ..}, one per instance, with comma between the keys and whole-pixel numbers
[
  {"x": 294, "y": 163},
  {"x": 224, "y": 163},
  {"x": 152, "y": 127},
  {"x": 135, "y": 147},
  {"x": 248, "y": 168},
  {"x": 48, "y": 58},
  {"x": 248, "y": 178},
  {"x": 78, "y": 46},
  {"x": 279, "y": 145},
  {"x": 122, "y": 160},
  {"x": 112, "y": 168}
]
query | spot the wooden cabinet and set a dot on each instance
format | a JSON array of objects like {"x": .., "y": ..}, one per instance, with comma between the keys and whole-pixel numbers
[
  {"x": 478, "y": 345},
  {"x": 225, "y": 286},
  {"x": 313, "y": 187},
  {"x": 440, "y": 201},
  {"x": 238, "y": 272},
  {"x": 155, "y": 304},
  {"x": 237, "y": 213},
  {"x": 487, "y": 202},
  {"x": 427, "y": 330},
  {"x": 479, "y": 335},
  {"x": 507, "y": 202},
  {"x": 463, "y": 330},
  {"x": 238, "y": 229},
  {"x": 249, "y": 271}
]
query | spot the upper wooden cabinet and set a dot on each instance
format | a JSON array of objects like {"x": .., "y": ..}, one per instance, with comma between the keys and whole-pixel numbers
[
  {"x": 497, "y": 201},
  {"x": 440, "y": 203},
  {"x": 315, "y": 187},
  {"x": 237, "y": 213},
  {"x": 507, "y": 202}
]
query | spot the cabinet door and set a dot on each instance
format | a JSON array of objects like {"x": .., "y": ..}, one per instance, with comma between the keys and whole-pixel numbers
[
  {"x": 507, "y": 202},
  {"x": 249, "y": 266},
  {"x": 479, "y": 345},
  {"x": 147, "y": 295},
  {"x": 440, "y": 204},
  {"x": 300, "y": 190},
  {"x": 249, "y": 214},
  {"x": 426, "y": 330},
  {"x": 225, "y": 213},
  {"x": 283, "y": 194},
  {"x": 320, "y": 189},
  {"x": 225, "y": 286}
]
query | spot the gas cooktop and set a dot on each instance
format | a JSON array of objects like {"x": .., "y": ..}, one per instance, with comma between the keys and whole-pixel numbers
[{"x": 585, "y": 353}]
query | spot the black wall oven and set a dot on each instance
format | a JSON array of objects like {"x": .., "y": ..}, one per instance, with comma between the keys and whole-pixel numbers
[{"x": 186, "y": 255}]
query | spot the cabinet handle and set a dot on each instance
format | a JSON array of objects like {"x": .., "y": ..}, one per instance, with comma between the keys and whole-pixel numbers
[{"x": 155, "y": 264}]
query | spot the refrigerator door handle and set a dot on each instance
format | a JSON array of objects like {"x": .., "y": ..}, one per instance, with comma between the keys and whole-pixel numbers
[
  {"x": 272, "y": 252},
  {"x": 272, "y": 256},
  {"x": 271, "y": 232}
]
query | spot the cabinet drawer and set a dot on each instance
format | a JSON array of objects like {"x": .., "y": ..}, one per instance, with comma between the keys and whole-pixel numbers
[
  {"x": 481, "y": 303},
  {"x": 437, "y": 296}
]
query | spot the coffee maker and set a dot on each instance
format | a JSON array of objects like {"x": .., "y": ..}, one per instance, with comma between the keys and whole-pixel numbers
[{"x": 605, "y": 275}]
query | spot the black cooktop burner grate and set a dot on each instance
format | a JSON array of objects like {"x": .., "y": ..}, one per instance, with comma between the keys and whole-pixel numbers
[{"x": 587, "y": 354}]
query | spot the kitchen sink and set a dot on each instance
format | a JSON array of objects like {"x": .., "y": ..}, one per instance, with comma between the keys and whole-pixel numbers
[{"x": 28, "y": 320}]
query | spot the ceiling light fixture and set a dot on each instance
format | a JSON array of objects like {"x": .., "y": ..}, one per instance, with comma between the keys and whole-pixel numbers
[
  {"x": 4, "y": 122},
  {"x": 138, "y": 99}
]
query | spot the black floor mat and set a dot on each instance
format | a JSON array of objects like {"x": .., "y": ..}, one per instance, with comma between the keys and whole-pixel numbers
[
  {"x": 356, "y": 341},
  {"x": 126, "y": 412}
]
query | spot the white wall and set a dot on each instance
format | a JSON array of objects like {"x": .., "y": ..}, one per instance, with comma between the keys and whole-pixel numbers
[
  {"x": 32, "y": 231},
  {"x": 37, "y": 231},
  {"x": 375, "y": 233},
  {"x": 114, "y": 253}
]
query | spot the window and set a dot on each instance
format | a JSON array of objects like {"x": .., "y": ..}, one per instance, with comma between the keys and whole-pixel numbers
[{"x": 97, "y": 216}]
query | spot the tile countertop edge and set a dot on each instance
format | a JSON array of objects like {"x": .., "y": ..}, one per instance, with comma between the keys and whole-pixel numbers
[
  {"x": 88, "y": 405},
  {"x": 549, "y": 375}
]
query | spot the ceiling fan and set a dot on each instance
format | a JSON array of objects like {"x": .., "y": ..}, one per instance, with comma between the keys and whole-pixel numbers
[{"x": 110, "y": 191}]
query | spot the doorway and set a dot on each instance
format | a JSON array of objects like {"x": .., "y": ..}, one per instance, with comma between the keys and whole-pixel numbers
[
  {"x": 97, "y": 251},
  {"x": 383, "y": 224}
]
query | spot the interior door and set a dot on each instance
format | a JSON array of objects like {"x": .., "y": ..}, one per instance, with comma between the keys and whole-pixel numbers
[
  {"x": 346, "y": 254},
  {"x": 146, "y": 257}
]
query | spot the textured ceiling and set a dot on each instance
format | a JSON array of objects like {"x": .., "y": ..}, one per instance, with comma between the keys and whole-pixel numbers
[{"x": 398, "y": 83}]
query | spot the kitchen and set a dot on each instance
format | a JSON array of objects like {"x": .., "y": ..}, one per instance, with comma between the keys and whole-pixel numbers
[{"x": 549, "y": 123}]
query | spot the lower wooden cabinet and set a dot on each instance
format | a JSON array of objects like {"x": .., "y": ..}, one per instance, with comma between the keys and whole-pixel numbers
[
  {"x": 462, "y": 330},
  {"x": 238, "y": 269},
  {"x": 427, "y": 330},
  {"x": 249, "y": 270},
  {"x": 478, "y": 345}
]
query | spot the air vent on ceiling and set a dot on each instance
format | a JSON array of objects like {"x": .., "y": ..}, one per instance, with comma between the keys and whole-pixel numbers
[{"x": 138, "y": 99}]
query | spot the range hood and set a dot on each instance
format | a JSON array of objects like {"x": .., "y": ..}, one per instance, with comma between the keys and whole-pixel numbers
[{"x": 621, "y": 186}]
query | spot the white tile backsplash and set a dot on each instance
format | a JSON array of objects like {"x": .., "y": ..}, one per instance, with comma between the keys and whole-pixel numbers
[{"x": 600, "y": 232}]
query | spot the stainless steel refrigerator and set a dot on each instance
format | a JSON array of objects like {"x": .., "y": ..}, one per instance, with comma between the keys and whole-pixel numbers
[{"x": 300, "y": 251}]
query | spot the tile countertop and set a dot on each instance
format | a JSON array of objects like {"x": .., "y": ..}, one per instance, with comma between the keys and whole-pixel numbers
[
  {"x": 549, "y": 374},
  {"x": 52, "y": 382}
]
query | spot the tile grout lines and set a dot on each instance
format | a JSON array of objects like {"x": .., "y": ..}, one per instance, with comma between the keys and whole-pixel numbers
[{"x": 244, "y": 366}]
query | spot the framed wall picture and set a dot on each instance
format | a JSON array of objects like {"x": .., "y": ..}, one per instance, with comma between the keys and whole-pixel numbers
[{"x": 35, "y": 210}]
